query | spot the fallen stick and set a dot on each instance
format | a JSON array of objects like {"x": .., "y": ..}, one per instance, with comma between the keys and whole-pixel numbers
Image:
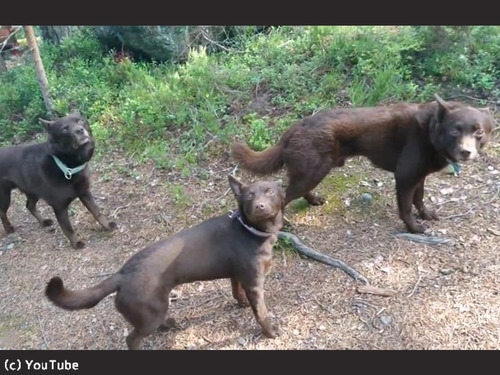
[
  {"x": 422, "y": 238},
  {"x": 368, "y": 289},
  {"x": 320, "y": 257}
]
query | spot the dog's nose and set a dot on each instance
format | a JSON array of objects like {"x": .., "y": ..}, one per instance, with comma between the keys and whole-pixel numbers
[
  {"x": 260, "y": 206},
  {"x": 79, "y": 131},
  {"x": 465, "y": 154}
]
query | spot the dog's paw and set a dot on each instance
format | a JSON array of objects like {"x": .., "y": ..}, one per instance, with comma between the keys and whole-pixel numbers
[
  {"x": 47, "y": 223},
  {"x": 316, "y": 200},
  {"x": 112, "y": 226},
  {"x": 79, "y": 245},
  {"x": 429, "y": 215},
  {"x": 243, "y": 303},
  {"x": 271, "y": 332},
  {"x": 416, "y": 228},
  {"x": 168, "y": 323}
]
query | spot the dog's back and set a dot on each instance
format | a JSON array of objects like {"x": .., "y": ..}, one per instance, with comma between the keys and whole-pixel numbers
[{"x": 20, "y": 165}]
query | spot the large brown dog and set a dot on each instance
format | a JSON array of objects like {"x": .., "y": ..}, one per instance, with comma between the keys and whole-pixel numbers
[
  {"x": 55, "y": 171},
  {"x": 236, "y": 246},
  {"x": 410, "y": 140}
]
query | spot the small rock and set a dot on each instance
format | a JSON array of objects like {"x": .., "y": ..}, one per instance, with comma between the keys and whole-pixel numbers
[
  {"x": 445, "y": 271},
  {"x": 10, "y": 246},
  {"x": 295, "y": 332},
  {"x": 365, "y": 197},
  {"x": 241, "y": 341},
  {"x": 43, "y": 267},
  {"x": 385, "y": 320},
  {"x": 446, "y": 191},
  {"x": 490, "y": 168},
  {"x": 322, "y": 327}
]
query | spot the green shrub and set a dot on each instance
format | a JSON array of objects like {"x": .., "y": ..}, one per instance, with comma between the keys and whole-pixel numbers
[{"x": 255, "y": 87}]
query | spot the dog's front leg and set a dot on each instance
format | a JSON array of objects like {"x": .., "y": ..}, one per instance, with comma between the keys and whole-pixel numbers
[
  {"x": 406, "y": 186},
  {"x": 63, "y": 219},
  {"x": 418, "y": 201},
  {"x": 255, "y": 295},
  {"x": 88, "y": 201}
]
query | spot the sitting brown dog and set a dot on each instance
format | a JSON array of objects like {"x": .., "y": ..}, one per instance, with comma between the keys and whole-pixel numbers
[
  {"x": 236, "y": 246},
  {"x": 410, "y": 140},
  {"x": 55, "y": 171}
]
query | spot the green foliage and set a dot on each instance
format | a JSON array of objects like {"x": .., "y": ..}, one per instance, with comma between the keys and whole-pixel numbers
[{"x": 178, "y": 114}]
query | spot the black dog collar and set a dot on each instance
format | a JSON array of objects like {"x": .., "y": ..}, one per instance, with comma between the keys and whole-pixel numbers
[{"x": 237, "y": 215}]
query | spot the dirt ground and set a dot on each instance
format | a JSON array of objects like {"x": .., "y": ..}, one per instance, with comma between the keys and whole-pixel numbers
[{"x": 447, "y": 297}]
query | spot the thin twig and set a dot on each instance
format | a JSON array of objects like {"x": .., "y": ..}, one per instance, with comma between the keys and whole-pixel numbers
[
  {"x": 115, "y": 212},
  {"x": 223, "y": 195},
  {"x": 203, "y": 34},
  {"x": 102, "y": 275},
  {"x": 495, "y": 196},
  {"x": 416, "y": 285},
  {"x": 455, "y": 216}
]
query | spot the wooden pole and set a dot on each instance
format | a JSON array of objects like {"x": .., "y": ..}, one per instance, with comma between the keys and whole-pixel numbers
[
  {"x": 40, "y": 72},
  {"x": 3, "y": 67}
]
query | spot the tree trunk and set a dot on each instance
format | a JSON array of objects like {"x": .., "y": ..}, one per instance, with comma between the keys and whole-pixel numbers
[
  {"x": 3, "y": 67},
  {"x": 40, "y": 72},
  {"x": 55, "y": 34}
]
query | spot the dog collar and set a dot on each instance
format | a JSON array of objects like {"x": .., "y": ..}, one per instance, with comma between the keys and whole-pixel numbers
[
  {"x": 67, "y": 171},
  {"x": 237, "y": 215},
  {"x": 455, "y": 166}
]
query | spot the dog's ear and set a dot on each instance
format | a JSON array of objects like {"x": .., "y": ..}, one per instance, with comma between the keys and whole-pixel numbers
[
  {"x": 236, "y": 186},
  {"x": 279, "y": 184},
  {"x": 46, "y": 123},
  {"x": 443, "y": 107},
  {"x": 76, "y": 112}
]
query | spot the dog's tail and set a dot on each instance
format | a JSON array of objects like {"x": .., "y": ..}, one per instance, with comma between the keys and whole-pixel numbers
[
  {"x": 264, "y": 162},
  {"x": 80, "y": 299}
]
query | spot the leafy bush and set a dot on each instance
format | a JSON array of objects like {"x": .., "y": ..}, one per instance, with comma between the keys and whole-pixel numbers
[{"x": 257, "y": 86}]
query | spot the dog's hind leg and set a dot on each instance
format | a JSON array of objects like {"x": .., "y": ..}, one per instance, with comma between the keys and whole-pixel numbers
[
  {"x": 31, "y": 206},
  {"x": 418, "y": 201},
  {"x": 4, "y": 206},
  {"x": 239, "y": 293},
  {"x": 302, "y": 182}
]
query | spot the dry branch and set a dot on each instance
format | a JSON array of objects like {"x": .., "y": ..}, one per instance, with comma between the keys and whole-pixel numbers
[
  {"x": 320, "y": 257},
  {"x": 422, "y": 238},
  {"x": 368, "y": 289}
]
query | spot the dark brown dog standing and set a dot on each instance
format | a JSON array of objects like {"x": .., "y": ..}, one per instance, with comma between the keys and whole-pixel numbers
[
  {"x": 410, "y": 140},
  {"x": 238, "y": 246},
  {"x": 34, "y": 170}
]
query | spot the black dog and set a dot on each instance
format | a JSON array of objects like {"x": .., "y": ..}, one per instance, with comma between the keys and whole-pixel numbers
[
  {"x": 408, "y": 139},
  {"x": 236, "y": 246},
  {"x": 55, "y": 171}
]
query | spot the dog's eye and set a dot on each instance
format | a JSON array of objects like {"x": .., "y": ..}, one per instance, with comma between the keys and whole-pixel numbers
[
  {"x": 455, "y": 132},
  {"x": 479, "y": 133},
  {"x": 65, "y": 130},
  {"x": 270, "y": 192},
  {"x": 250, "y": 196}
]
